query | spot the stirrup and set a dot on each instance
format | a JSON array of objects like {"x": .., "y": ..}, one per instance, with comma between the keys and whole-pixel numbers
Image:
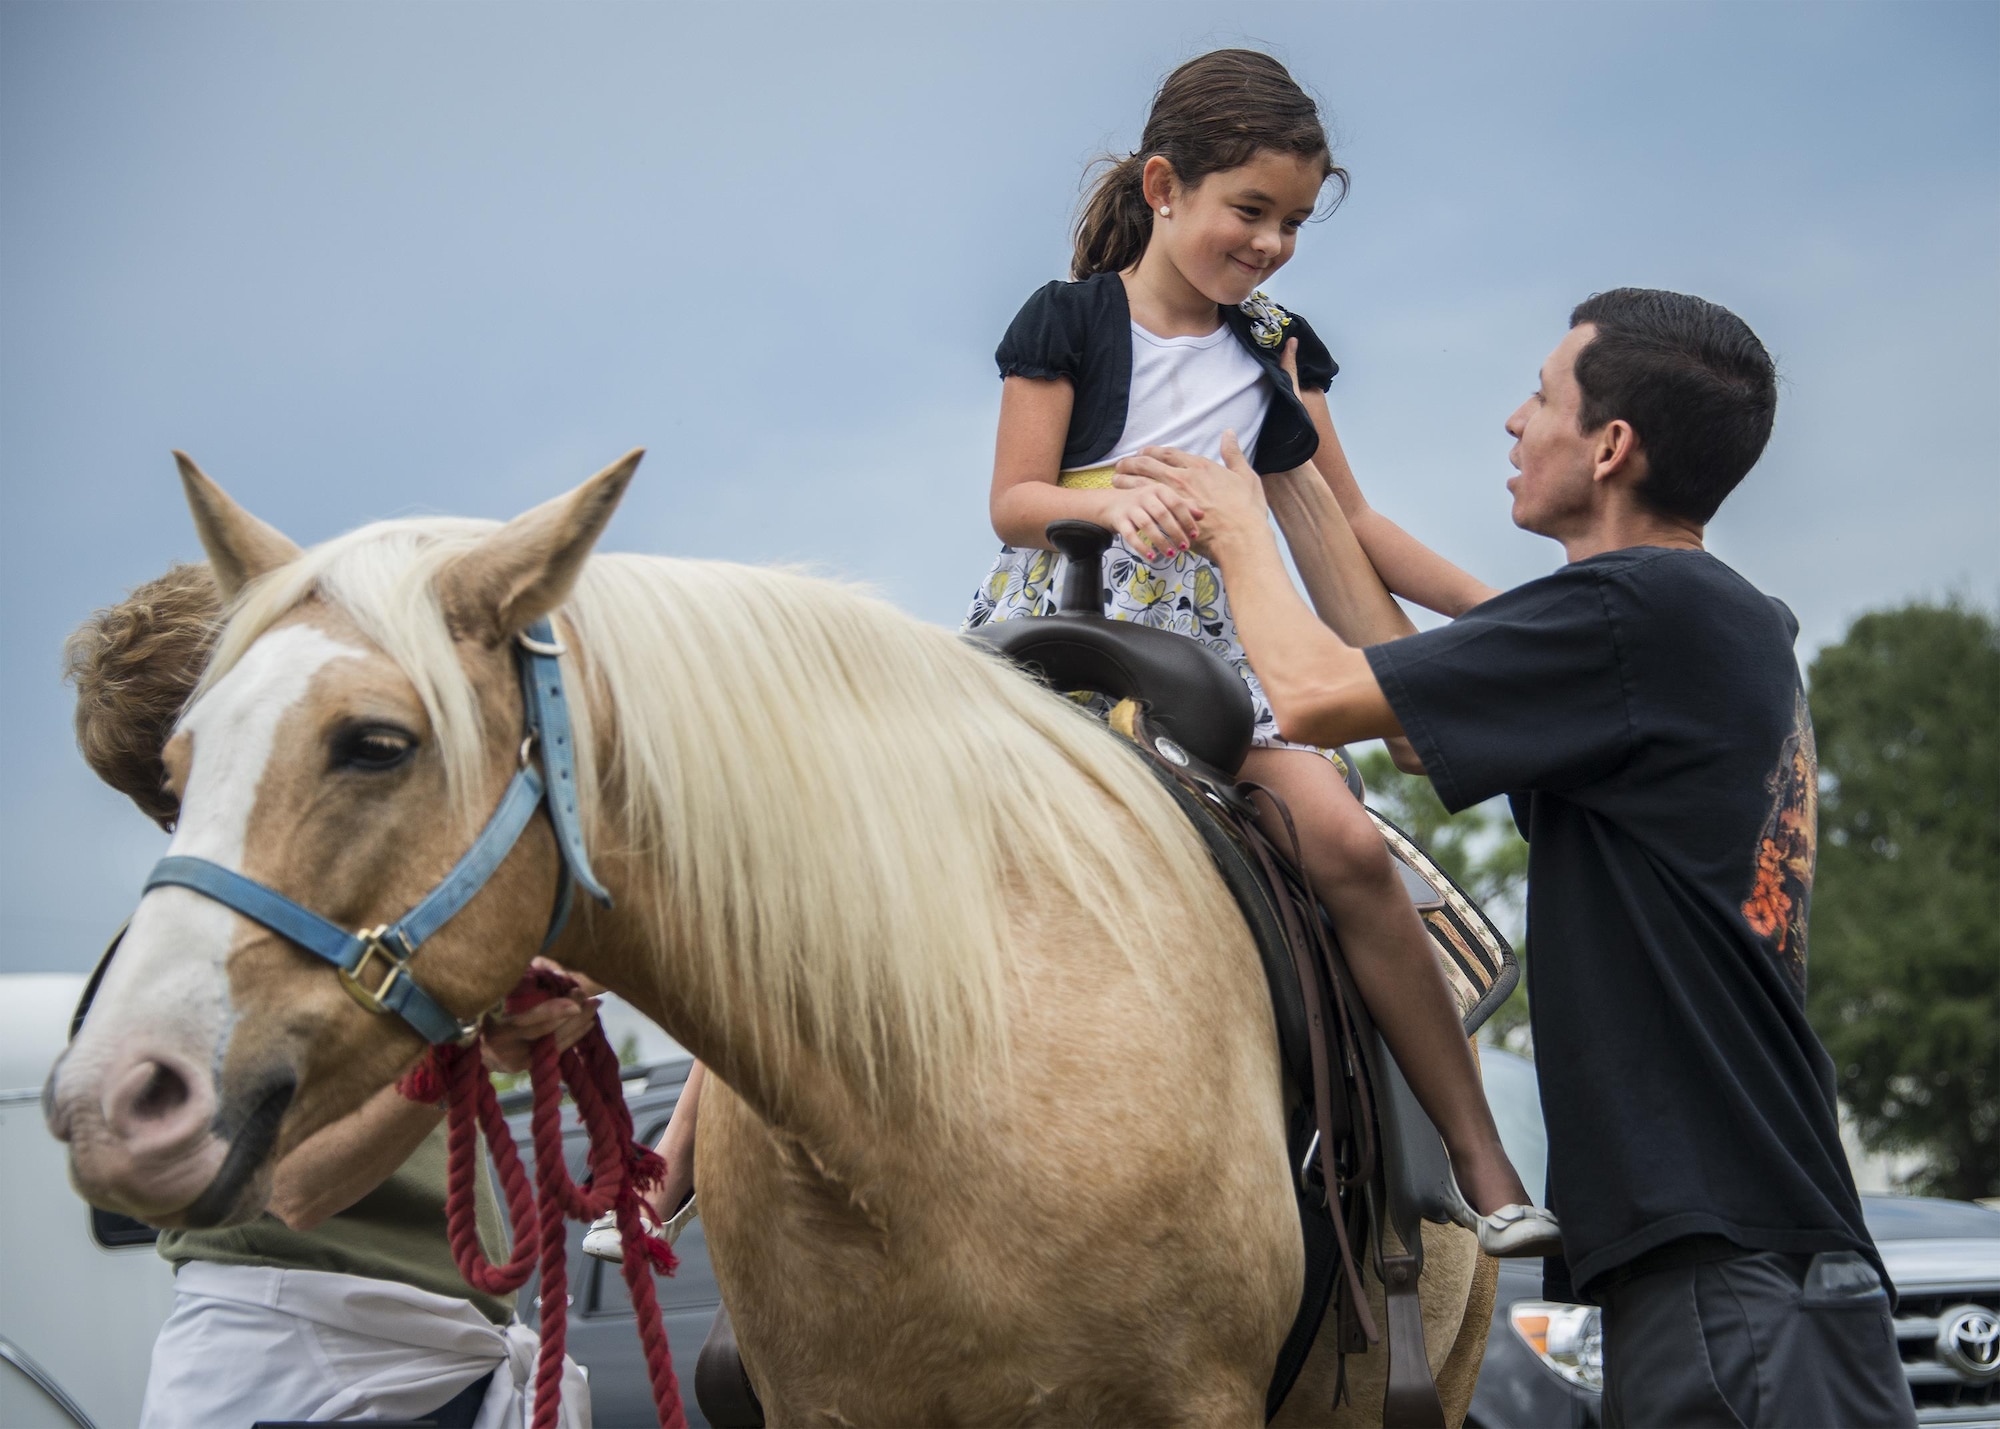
[
  {"x": 603, "y": 1241},
  {"x": 1510, "y": 1233}
]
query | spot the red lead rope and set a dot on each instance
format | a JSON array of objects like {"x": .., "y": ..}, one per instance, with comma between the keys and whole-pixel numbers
[{"x": 620, "y": 1170}]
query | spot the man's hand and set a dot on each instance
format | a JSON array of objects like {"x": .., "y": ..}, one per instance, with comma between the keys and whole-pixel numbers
[
  {"x": 1230, "y": 498},
  {"x": 1321, "y": 688}
]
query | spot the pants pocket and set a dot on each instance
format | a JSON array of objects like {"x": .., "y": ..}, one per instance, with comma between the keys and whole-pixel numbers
[
  {"x": 1855, "y": 1361},
  {"x": 1820, "y": 1345},
  {"x": 1658, "y": 1358},
  {"x": 1737, "y": 1300}
]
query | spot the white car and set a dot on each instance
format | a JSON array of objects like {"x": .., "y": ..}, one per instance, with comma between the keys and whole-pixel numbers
[{"x": 82, "y": 1293}]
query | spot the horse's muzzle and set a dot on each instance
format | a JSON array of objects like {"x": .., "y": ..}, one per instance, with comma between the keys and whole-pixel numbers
[{"x": 149, "y": 1136}]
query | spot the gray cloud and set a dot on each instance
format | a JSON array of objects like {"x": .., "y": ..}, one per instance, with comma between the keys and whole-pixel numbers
[{"x": 364, "y": 260}]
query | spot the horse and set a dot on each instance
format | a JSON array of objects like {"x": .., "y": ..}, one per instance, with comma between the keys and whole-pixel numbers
[{"x": 996, "y": 1132}]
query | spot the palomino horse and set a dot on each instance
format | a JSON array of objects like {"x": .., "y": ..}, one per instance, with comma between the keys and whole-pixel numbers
[{"x": 996, "y": 1131}]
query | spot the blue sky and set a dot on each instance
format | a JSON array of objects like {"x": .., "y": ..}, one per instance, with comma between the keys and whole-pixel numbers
[{"x": 365, "y": 260}]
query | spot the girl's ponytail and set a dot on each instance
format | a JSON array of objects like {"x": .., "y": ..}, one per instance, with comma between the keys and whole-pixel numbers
[
  {"x": 1215, "y": 112},
  {"x": 1116, "y": 221}
]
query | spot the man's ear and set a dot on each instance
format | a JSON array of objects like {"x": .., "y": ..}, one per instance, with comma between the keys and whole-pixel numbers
[
  {"x": 240, "y": 547},
  {"x": 1617, "y": 453},
  {"x": 526, "y": 569}
]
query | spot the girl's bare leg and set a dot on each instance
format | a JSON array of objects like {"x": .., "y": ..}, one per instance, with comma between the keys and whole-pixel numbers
[
  {"x": 677, "y": 1148},
  {"x": 1393, "y": 962}
]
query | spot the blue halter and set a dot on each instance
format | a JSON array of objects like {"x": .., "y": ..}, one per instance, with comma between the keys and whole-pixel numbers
[{"x": 374, "y": 965}]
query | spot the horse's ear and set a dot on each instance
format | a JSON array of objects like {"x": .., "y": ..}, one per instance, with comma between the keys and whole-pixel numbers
[
  {"x": 240, "y": 547},
  {"x": 525, "y": 569}
]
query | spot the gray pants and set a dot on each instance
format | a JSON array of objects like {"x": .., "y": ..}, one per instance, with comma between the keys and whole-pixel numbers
[{"x": 1726, "y": 1337}]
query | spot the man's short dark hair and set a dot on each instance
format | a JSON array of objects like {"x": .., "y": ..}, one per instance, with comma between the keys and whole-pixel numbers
[{"x": 1693, "y": 380}]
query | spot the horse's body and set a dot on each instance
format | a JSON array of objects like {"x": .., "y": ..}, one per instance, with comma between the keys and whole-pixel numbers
[{"x": 997, "y": 1133}]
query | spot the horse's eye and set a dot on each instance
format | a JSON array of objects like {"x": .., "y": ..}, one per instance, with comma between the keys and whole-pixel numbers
[{"x": 372, "y": 748}]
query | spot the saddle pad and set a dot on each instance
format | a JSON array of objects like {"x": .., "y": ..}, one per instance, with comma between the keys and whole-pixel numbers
[{"x": 1477, "y": 960}]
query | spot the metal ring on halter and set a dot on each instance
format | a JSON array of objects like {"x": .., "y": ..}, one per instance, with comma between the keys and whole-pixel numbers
[
  {"x": 550, "y": 648},
  {"x": 528, "y": 749}
]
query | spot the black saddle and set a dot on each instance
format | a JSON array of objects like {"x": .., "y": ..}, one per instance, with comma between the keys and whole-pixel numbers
[{"x": 1193, "y": 697}]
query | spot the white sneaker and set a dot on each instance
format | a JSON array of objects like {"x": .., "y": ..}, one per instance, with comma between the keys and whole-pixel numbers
[
  {"x": 1512, "y": 1232},
  {"x": 603, "y": 1241}
]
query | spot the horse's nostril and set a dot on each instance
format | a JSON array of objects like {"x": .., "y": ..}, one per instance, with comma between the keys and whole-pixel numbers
[
  {"x": 155, "y": 1102},
  {"x": 164, "y": 1093}
]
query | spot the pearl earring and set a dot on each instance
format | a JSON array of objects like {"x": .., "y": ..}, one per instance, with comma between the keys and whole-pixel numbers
[{"x": 1164, "y": 210}]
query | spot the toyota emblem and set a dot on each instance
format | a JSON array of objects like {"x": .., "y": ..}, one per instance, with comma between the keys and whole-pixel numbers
[{"x": 1969, "y": 1341}]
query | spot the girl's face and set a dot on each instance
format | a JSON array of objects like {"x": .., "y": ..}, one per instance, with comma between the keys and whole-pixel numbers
[{"x": 1229, "y": 233}]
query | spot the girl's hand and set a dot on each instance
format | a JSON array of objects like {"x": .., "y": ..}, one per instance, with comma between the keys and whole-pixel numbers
[
  {"x": 1231, "y": 496},
  {"x": 1155, "y": 520}
]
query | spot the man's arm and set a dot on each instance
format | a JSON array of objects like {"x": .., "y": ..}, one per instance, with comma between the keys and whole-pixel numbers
[
  {"x": 1341, "y": 581},
  {"x": 1321, "y": 689},
  {"x": 339, "y": 1164}
]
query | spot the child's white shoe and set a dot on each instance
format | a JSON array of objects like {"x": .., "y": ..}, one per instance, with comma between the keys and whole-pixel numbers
[
  {"x": 1512, "y": 1232},
  {"x": 603, "y": 1241}
]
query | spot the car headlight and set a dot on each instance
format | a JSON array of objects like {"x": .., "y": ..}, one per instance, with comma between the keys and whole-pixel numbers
[{"x": 1569, "y": 1339}]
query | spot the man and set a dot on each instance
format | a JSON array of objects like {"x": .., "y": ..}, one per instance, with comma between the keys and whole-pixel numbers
[
  {"x": 342, "y": 1301},
  {"x": 1643, "y": 709}
]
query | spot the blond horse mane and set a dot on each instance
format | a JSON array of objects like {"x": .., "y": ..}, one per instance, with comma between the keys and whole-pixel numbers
[{"x": 836, "y": 801}]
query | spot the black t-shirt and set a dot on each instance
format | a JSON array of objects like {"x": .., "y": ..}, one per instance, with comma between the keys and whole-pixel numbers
[
  {"x": 1644, "y": 710},
  {"x": 1083, "y": 331}
]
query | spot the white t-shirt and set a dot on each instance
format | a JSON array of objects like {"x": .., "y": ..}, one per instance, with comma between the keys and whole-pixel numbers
[{"x": 1187, "y": 391}]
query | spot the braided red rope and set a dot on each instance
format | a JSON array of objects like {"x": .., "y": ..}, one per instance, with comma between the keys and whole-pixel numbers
[{"x": 620, "y": 1170}]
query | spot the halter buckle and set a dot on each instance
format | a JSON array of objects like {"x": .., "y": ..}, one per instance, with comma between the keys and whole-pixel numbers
[{"x": 375, "y": 947}]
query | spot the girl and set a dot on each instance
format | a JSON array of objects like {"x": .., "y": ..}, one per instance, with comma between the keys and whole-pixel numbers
[{"x": 1163, "y": 339}]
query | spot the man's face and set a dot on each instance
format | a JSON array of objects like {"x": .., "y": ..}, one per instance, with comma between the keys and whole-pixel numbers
[{"x": 1554, "y": 457}]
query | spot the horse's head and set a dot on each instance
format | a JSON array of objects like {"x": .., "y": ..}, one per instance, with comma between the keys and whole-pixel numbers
[{"x": 360, "y": 717}]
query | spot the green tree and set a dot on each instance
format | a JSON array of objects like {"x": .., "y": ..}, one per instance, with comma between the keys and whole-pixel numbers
[
  {"x": 1479, "y": 848},
  {"x": 1904, "y": 986}
]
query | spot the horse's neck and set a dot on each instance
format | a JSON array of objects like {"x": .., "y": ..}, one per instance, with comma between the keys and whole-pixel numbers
[{"x": 679, "y": 990}]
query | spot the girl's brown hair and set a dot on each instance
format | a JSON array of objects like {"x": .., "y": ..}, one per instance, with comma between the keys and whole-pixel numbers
[{"x": 1215, "y": 112}]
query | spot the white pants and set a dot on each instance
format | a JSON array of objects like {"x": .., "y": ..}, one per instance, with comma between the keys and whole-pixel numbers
[{"x": 246, "y": 1343}]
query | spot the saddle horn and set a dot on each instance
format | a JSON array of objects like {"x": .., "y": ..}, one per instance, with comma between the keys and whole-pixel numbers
[{"x": 1191, "y": 694}]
